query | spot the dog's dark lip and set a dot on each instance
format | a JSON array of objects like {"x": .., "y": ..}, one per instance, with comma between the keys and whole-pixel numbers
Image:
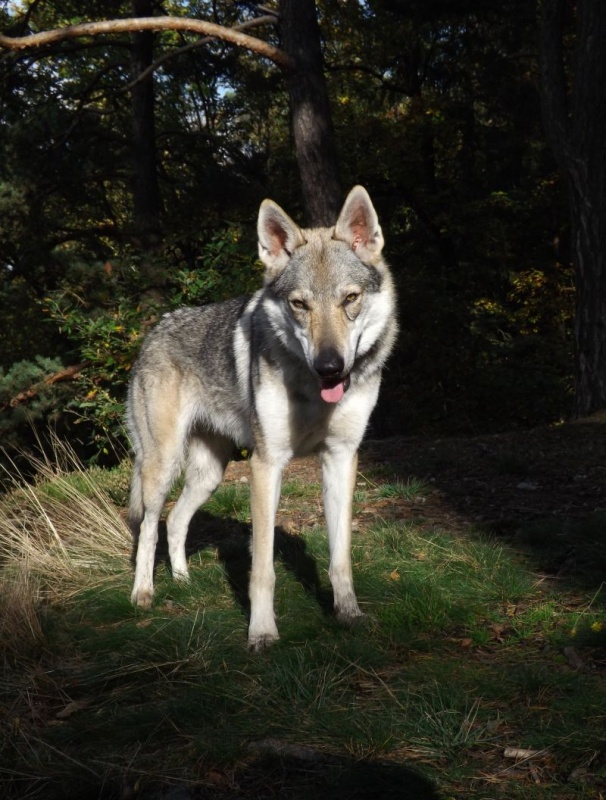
[{"x": 330, "y": 383}]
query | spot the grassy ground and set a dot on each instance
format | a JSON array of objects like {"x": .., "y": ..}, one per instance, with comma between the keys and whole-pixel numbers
[{"x": 478, "y": 671}]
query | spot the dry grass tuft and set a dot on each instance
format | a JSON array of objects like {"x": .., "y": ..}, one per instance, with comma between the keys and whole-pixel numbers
[
  {"x": 58, "y": 535},
  {"x": 20, "y": 626}
]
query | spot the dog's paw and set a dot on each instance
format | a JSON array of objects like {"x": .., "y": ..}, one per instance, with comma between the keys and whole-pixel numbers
[
  {"x": 262, "y": 628},
  {"x": 142, "y": 598},
  {"x": 348, "y": 613},
  {"x": 261, "y": 637},
  {"x": 257, "y": 643}
]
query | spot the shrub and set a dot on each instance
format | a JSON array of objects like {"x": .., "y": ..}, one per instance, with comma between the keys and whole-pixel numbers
[{"x": 105, "y": 309}]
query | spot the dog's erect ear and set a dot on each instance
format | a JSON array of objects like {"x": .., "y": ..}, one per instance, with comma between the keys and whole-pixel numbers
[
  {"x": 278, "y": 236},
  {"x": 358, "y": 226}
]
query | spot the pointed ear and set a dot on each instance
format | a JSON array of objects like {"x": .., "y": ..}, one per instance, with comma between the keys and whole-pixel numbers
[
  {"x": 278, "y": 236},
  {"x": 358, "y": 226}
]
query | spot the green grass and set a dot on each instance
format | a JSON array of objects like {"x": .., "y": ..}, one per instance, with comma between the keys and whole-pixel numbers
[
  {"x": 460, "y": 656},
  {"x": 230, "y": 501},
  {"x": 412, "y": 489},
  {"x": 298, "y": 490}
]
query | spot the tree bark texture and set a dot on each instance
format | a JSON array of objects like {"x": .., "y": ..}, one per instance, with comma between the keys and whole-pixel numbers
[
  {"x": 312, "y": 126},
  {"x": 575, "y": 123},
  {"x": 145, "y": 188}
]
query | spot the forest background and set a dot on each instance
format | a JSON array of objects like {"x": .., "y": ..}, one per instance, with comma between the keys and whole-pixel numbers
[{"x": 132, "y": 165}]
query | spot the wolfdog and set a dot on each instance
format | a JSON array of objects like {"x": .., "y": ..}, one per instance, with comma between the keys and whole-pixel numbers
[{"x": 292, "y": 370}]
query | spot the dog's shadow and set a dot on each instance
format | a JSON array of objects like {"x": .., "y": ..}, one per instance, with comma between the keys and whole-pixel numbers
[{"x": 232, "y": 541}]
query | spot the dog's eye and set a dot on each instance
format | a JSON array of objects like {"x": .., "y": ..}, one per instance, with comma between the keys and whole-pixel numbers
[
  {"x": 299, "y": 305},
  {"x": 351, "y": 298}
]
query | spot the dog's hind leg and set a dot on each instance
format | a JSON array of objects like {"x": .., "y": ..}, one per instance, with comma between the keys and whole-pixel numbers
[
  {"x": 157, "y": 475},
  {"x": 207, "y": 458},
  {"x": 160, "y": 434},
  {"x": 338, "y": 476}
]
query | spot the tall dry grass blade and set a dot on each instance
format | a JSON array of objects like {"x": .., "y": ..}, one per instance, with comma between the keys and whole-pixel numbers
[
  {"x": 20, "y": 625},
  {"x": 63, "y": 529}
]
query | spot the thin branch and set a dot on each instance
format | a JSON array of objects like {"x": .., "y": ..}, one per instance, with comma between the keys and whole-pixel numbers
[
  {"x": 279, "y": 57},
  {"x": 65, "y": 374},
  {"x": 267, "y": 10},
  {"x": 251, "y": 23}
]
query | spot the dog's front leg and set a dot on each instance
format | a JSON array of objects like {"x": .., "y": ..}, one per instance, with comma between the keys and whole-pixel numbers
[
  {"x": 339, "y": 468},
  {"x": 265, "y": 493}
]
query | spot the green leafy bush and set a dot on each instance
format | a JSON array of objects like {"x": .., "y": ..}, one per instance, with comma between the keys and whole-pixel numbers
[
  {"x": 104, "y": 310},
  {"x": 29, "y": 405}
]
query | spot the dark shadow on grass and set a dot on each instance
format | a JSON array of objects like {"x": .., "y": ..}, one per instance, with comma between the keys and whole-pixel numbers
[
  {"x": 330, "y": 779},
  {"x": 292, "y": 552},
  {"x": 282, "y": 777},
  {"x": 541, "y": 490},
  {"x": 292, "y": 778},
  {"x": 232, "y": 540}
]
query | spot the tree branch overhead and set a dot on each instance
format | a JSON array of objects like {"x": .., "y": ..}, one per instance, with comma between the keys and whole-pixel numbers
[{"x": 279, "y": 57}]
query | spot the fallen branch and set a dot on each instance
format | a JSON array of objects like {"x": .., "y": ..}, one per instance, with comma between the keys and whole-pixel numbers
[
  {"x": 66, "y": 374},
  {"x": 279, "y": 57}
]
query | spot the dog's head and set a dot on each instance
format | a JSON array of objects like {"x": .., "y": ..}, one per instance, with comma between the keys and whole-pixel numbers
[{"x": 328, "y": 289}]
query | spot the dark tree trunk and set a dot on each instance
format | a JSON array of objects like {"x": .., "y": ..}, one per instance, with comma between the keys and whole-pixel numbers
[
  {"x": 589, "y": 241},
  {"x": 575, "y": 122},
  {"x": 145, "y": 188},
  {"x": 312, "y": 127}
]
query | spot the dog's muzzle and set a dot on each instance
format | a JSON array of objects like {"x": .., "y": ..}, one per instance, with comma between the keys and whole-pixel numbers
[{"x": 329, "y": 365}]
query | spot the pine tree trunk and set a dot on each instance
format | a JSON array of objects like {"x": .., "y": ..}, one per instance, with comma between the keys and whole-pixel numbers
[
  {"x": 575, "y": 122},
  {"x": 312, "y": 126},
  {"x": 589, "y": 239}
]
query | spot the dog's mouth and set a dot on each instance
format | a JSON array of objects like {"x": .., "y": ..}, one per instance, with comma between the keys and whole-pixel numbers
[{"x": 333, "y": 389}]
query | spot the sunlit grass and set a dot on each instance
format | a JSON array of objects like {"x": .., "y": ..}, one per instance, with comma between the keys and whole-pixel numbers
[{"x": 230, "y": 500}]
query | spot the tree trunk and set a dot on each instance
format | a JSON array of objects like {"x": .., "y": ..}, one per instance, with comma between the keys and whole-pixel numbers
[
  {"x": 145, "y": 188},
  {"x": 575, "y": 123},
  {"x": 589, "y": 238},
  {"x": 312, "y": 127}
]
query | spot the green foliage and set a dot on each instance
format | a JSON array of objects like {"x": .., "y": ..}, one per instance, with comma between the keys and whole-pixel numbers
[
  {"x": 437, "y": 112},
  {"x": 20, "y": 418},
  {"x": 106, "y": 316},
  {"x": 449, "y": 132},
  {"x": 224, "y": 267},
  {"x": 24, "y": 332},
  {"x": 13, "y": 210}
]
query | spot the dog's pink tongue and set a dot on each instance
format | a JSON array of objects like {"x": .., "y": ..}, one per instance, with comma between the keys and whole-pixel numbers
[{"x": 332, "y": 394}]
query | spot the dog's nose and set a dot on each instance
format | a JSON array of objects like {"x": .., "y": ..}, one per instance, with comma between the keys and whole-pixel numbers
[{"x": 329, "y": 363}]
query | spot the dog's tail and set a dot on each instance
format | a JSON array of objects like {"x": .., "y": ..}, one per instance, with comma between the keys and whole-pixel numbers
[{"x": 135, "y": 505}]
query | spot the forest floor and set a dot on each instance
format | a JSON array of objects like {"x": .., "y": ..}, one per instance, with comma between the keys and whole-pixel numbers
[
  {"x": 509, "y": 484},
  {"x": 478, "y": 671}
]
